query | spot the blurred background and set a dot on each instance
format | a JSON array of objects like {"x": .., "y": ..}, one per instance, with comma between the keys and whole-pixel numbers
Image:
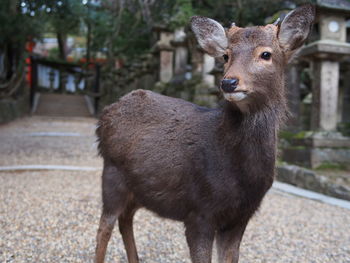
[{"x": 70, "y": 58}]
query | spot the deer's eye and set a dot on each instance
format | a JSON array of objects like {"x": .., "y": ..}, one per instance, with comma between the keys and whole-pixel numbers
[
  {"x": 265, "y": 55},
  {"x": 225, "y": 57}
]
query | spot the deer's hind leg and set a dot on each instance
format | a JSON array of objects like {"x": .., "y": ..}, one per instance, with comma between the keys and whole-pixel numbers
[
  {"x": 228, "y": 242},
  {"x": 115, "y": 200},
  {"x": 126, "y": 229},
  {"x": 200, "y": 237}
]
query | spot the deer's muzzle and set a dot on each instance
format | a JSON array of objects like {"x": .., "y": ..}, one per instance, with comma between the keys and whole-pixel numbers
[{"x": 229, "y": 85}]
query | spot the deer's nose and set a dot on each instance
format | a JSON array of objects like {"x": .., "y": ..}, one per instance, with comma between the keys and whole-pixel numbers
[{"x": 229, "y": 85}]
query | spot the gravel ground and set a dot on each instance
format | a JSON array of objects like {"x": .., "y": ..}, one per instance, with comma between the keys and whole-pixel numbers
[
  {"x": 52, "y": 216},
  {"x": 22, "y": 145}
]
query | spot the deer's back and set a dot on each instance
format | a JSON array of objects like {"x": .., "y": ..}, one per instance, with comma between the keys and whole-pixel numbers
[{"x": 153, "y": 120}]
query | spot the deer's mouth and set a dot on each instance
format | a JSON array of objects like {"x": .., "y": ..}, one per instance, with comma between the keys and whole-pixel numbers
[{"x": 236, "y": 95}]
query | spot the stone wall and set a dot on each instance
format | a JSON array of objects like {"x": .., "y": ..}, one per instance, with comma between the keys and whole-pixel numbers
[
  {"x": 16, "y": 105},
  {"x": 175, "y": 67},
  {"x": 310, "y": 180},
  {"x": 116, "y": 82}
]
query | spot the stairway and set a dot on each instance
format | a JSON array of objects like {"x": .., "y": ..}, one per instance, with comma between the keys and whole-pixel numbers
[{"x": 61, "y": 105}]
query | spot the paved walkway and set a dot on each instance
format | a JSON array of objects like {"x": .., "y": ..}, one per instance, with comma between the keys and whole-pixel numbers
[{"x": 52, "y": 215}]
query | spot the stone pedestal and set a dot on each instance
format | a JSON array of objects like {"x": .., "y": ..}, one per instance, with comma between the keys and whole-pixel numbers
[
  {"x": 218, "y": 72},
  {"x": 324, "y": 113},
  {"x": 181, "y": 56},
  {"x": 207, "y": 93},
  {"x": 325, "y": 56},
  {"x": 166, "y": 66},
  {"x": 315, "y": 149},
  {"x": 181, "y": 51},
  {"x": 324, "y": 145},
  {"x": 196, "y": 58},
  {"x": 208, "y": 66},
  {"x": 293, "y": 94},
  {"x": 166, "y": 53},
  {"x": 166, "y": 56}
]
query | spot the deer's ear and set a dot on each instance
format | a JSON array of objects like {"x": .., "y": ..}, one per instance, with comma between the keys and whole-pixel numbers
[
  {"x": 295, "y": 28},
  {"x": 210, "y": 35}
]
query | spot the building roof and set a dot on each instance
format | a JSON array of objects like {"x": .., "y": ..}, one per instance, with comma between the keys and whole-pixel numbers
[{"x": 340, "y": 5}]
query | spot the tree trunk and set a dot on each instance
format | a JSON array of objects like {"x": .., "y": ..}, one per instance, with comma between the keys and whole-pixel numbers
[
  {"x": 13, "y": 5},
  {"x": 9, "y": 53},
  {"x": 88, "y": 41},
  {"x": 62, "y": 45},
  {"x": 9, "y": 66},
  {"x": 239, "y": 13}
]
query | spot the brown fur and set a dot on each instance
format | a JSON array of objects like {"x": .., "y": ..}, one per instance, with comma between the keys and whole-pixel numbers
[{"x": 209, "y": 168}]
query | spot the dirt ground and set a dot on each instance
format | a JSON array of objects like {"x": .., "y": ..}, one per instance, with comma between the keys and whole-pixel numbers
[{"x": 52, "y": 215}]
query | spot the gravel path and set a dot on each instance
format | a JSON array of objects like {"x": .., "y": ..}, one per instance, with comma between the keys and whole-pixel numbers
[
  {"x": 52, "y": 216},
  {"x": 33, "y": 141}
]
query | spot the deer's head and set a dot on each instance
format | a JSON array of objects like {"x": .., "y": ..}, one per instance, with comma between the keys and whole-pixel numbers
[{"x": 255, "y": 57}]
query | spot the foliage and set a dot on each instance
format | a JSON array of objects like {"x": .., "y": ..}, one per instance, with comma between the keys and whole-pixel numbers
[
  {"x": 53, "y": 53},
  {"x": 120, "y": 28},
  {"x": 242, "y": 12},
  {"x": 15, "y": 30},
  {"x": 61, "y": 17},
  {"x": 125, "y": 27},
  {"x": 15, "y": 26},
  {"x": 57, "y": 16},
  {"x": 66, "y": 17},
  {"x": 118, "y": 31},
  {"x": 181, "y": 14}
]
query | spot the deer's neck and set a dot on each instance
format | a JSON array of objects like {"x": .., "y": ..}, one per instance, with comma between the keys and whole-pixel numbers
[
  {"x": 253, "y": 128},
  {"x": 251, "y": 141}
]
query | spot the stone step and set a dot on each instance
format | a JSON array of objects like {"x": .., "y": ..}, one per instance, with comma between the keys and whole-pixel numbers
[{"x": 65, "y": 105}]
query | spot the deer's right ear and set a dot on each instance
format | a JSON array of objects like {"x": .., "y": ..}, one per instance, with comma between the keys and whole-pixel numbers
[{"x": 210, "y": 35}]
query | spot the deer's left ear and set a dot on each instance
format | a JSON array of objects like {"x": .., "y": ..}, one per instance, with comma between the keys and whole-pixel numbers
[
  {"x": 295, "y": 28},
  {"x": 210, "y": 35}
]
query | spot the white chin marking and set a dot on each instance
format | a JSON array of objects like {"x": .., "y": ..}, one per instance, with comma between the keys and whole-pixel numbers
[{"x": 235, "y": 96}]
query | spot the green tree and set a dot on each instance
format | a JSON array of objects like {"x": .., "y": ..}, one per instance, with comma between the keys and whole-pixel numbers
[
  {"x": 15, "y": 30},
  {"x": 64, "y": 18},
  {"x": 124, "y": 28},
  {"x": 61, "y": 17}
]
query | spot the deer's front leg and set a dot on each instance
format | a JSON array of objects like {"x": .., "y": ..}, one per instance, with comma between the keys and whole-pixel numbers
[
  {"x": 228, "y": 242},
  {"x": 200, "y": 238}
]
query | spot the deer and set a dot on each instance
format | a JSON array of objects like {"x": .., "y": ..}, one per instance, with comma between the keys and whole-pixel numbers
[{"x": 208, "y": 168}]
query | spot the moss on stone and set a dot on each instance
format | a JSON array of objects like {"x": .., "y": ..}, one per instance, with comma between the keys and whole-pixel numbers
[
  {"x": 287, "y": 135},
  {"x": 297, "y": 147},
  {"x": 301, "y": 135},
  {"x": 344, "y": 128},
  {"x": 332, "y": 166}
]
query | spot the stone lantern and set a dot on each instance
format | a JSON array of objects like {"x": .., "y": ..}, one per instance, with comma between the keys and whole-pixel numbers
[
  {"x": 166, "y": 53},
  {"x": 324, "y": 145},
  {"x": 181, "y": 52},
  {"x": 325, "y": 55}
]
